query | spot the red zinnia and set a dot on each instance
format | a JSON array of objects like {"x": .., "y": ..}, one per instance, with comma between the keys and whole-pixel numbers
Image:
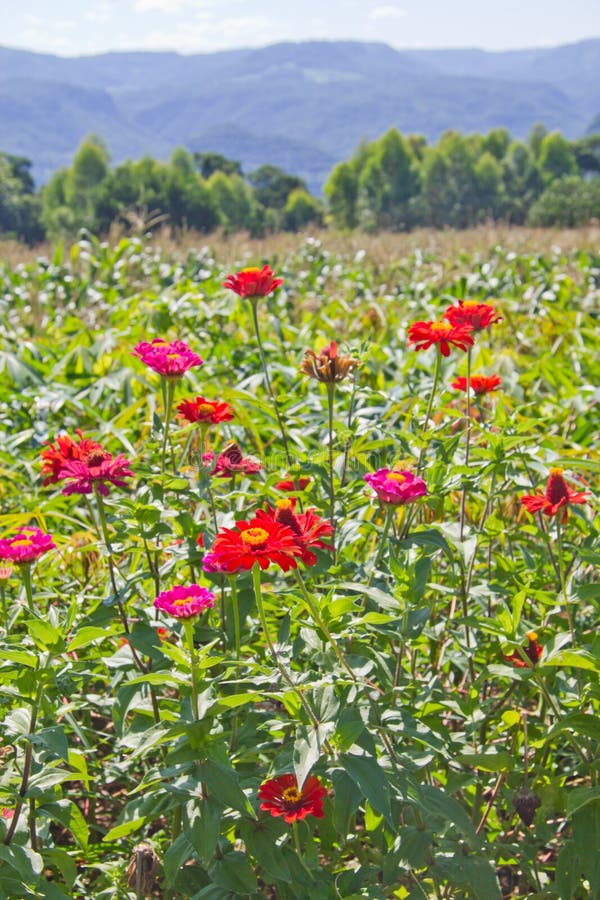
[
  {"x": 281, "y": 796},
  {"x": 424, "y": 334},
  {"x": 260, "y": 540},
  {"x": 171, "y": 360},
  {"x": 206, "y": 412},
  {"x": 293, "y": 484},
  {"x": 472, "y": 312},
  {"x": 308, "y": 527},
  {"x": 26, "y": 546},
  {"x": 558, "y": 495},
  {"x": 231, "y": 462},
  {"x": 533, "y": 650},
  {"x": 480, "y": 384},
  {"x": 253, "y": 282},
  {"x": 54, "y": 458}
]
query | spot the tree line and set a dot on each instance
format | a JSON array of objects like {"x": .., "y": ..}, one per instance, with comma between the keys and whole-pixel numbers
[{"x": 395, "y": 183}]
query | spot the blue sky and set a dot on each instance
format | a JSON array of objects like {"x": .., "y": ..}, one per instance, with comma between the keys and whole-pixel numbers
[{"x": 74, "y": 27}]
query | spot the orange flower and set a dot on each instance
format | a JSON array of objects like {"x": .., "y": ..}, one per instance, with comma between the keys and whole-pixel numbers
[
  {"x": 558, "y": 495},
  {"x": 424, "y": 334},
  {"x": 471, "y": 312},
  {"x": 480, "y": 384},
  {"x": 253, "y": 282}
]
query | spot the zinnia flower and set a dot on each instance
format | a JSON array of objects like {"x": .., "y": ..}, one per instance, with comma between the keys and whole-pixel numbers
[
  {"x": 184, "y": 602},
  {"x": 206, "y": 412},
  {"x": 472, "y": 312},
  {"x": 253, "y": 282},
  {"x": 260, "y": 540},
  {"x": 480, "y": 384},
  {"x": 281, "y": 796},
  {"x": 231, "y": 462},
  {"x": 66, "y": 450},
  {"x": 396, "y": 486},
  {"x": 171, "y": 360},
  {"x": 26, "y": 546},
  {"x": 558, "y": 495},
  {"x": 308, "y": 527},
  {"x": 326, "y": 366},
  {"x": 424, "y": 334},
  {"x": 533, "y": 650},
  {"x": 293, "y": 484}
]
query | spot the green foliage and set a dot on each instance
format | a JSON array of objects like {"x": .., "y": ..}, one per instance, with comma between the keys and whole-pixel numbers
[{"x": 570, "y": 201}]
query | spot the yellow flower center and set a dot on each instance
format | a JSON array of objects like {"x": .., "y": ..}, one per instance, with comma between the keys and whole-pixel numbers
[
  {"x": 441, "y": 327},
  {"x": 292, "y": 795},
  {"x": 396, "y": 476},
  {"x": 254, "y": 537},
  {"x": 252, "y": 270},
  {"x": 556, "y": 471},
  {"x": 470, "y": 303},
  {"x": 181, "y": 601},
  {"x": 173, "y": 355},
  {"x": 159, "y": 344},
  {"x": 24, "y": 542},
  {"x": 203, "y": 408},
  {"x": 284, "y": 503},
  {"x": 531, "y": 636}
]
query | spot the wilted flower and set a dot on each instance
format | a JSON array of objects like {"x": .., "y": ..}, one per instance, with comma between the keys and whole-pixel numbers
[
  {"x": 260, "y": 540},
  {"x": 308, "y": 527},
  {"x": 253, "y": 282},
  {"x": 424, "y": 334},
  {"x": 558, "y": 495},
  {"x": 532, "y": 649},
  {"x": 26, "y": 546},
  {"x": 396, "y": 487},
  {"x": 281, "y": 796},
  {"x": 472, "y": 312},
  {"x": 5, "y": 572},
  {"x": 184, "y": 602},
  {"x": 231, "y": 462},
  {"x": 327, "y": 366},
  {"x": 480, "y": 384},
  {"x": 205, "y": 412},
  {"x": 169, "y": 359}
]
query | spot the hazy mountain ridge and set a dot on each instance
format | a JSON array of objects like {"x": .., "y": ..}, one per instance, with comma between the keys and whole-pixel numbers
[{"x": 302, "y": 106}]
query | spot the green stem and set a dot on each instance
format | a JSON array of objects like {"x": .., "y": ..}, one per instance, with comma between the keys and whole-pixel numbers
[
  {"x": 168, "y": 394},
  {"x": 561, "y": 576},
  {"x": 26, "y": 576},
  {"x": 263, "y": 359},
  {"x": 389, "y": 516},
  {"x": 463, "y": 499},
  {"x": 236, "y": 615},
  {"x": 282, "y": 670},
  {"x": 298, "y": 847},
  {"x": 436, "y": 377},
  {"x": 330, "y": 395},
  {"x": 312, "y": 608},
  {"x": 188, "y": 626}
]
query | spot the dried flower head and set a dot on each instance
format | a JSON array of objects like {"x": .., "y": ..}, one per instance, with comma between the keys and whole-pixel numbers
[{"x": 327, "y": 366}]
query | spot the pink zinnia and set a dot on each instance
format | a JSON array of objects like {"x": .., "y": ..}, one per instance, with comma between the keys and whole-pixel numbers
[
  {"x": 26, "y": 546},
  {"x": 184, "y": 602},
  {"x": 171, "y": 360},
  {"x": 97, "y": 471},
  {"x": 231, "y": 462},
  {"x": 396, "y": 487}
]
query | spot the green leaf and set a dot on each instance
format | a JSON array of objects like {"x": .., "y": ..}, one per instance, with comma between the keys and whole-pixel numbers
[
  {"x": 123, "y": 830},
  {"x": 234, "y": 873},
  {"x": 55, "y": 739},
  {"x": 441, "y": 804},
  {"x": 575, "y": 659},
  {"x": 88, "y": 635},
  {"x": 224, "y": 786},
  {"x": 371, "y": 779},
  {"x": 22, "y": 657},
  {"x": 68, "y": 814}
]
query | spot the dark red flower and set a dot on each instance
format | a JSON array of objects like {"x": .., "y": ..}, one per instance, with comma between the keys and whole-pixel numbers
[
  {"x": 293, "y": 484},
  {"x": 480, "y": 384},
  {"x": 472, "y": 312},
  {"x": 260, "y": 540},
  {"x": 206, "y": 412},
  {"x": 558, "y": 495},
  {"x": 231, "y": 462},
  {"x": 281, "y": 796},
  {"x": 308, "y": 527},
  {"x": 533, "y": 650},
  {"x": 424, "y": 334},
  {"x": 253, "y": 282},
  {"x": 66, "y": 450}
]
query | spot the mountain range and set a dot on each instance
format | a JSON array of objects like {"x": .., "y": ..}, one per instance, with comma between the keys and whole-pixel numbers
[{"x": 301, "y": 106}]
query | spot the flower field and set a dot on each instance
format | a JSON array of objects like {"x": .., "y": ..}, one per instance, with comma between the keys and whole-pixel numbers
[{"x": 299, "y": 574}]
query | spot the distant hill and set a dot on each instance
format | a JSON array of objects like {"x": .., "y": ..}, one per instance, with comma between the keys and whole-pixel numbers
[{"x": 300, "y": 106}]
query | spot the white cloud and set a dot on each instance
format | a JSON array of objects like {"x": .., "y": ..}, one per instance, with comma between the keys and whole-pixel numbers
[
  {"x": 387, "y": 12},
  {"x": 166, "y": 6}
]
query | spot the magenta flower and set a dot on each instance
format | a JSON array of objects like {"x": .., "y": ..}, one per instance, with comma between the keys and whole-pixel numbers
[
  {"x": 184, "y": 602},
  {"x": 97, "y": 471},
  {"x": 26, "y": 546},
  {"x": 171, "y": 360},
  {"x": 211, "y": 563},
  {"x": 396, "y": 487}
]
